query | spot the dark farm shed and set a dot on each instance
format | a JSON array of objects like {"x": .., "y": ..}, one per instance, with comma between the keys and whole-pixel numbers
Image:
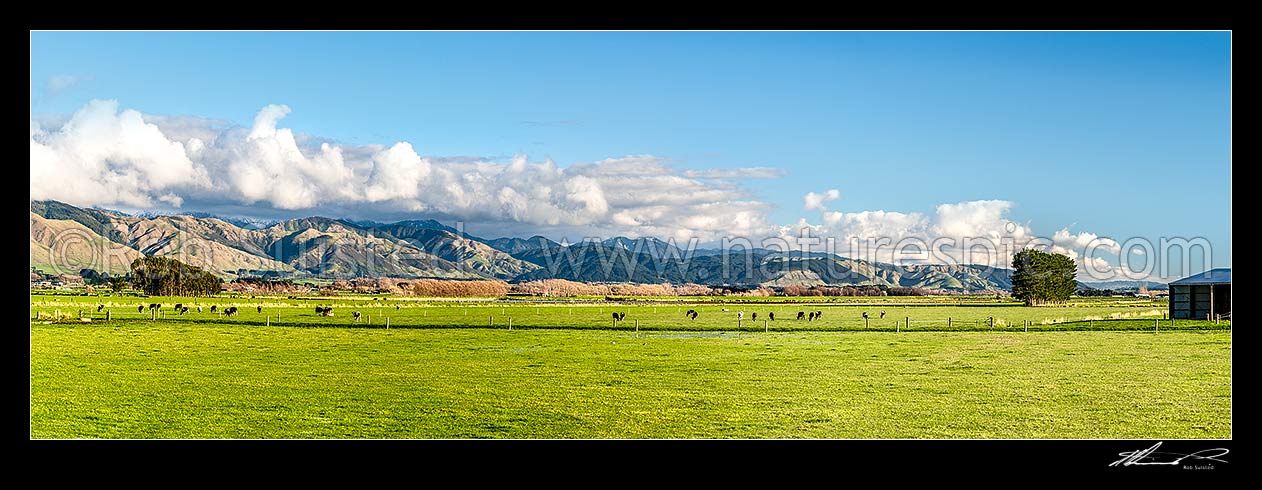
[{"x": 1202, "y": 296}]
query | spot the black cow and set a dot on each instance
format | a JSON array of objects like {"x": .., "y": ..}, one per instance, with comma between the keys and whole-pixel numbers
[
  {"x": 811, "y": 317},
  {"x": 178, "y": 306},
  {"x": 99, "y": 308},
  {"x": 753, "y": 316},
  {"x": 229, "y": 311},
  {"x": 694, "y": 315},
  {"x": 771, "y": 316},
  {"x": 356, "y": 315},
  {"x": 882, "y": 314},
  {"x": 155, "y": 306},
  {"x": 865, "y": 315},
  {"x": 183, "y": 310},
  {"x": 260, "y": 309},
  {"x": 213, "y": 308},
  {"x": 801, "y": 315},
  {"x": 818, "y": 314},
  {"x": 140, "y": 308}
]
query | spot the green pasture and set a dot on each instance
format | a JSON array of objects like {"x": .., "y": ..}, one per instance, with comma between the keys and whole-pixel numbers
[
  {"x": 215, "y": 379},
  {"x": 645, "y": 315}
]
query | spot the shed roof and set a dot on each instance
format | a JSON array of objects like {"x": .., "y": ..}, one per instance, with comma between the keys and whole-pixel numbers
[{"x": 1213, "y": 276}]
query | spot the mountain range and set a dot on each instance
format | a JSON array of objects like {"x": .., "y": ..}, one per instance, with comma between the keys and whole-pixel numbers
[{"x": 68, "y": 238}]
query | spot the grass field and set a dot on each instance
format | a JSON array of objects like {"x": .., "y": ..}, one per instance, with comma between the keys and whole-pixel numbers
[
  {"x": 563, "y": 373},
  {"x": 407, "y": 312}
]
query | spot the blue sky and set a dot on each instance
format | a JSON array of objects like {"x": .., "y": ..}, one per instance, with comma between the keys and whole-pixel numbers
[{"x": 1120, "y": 134}]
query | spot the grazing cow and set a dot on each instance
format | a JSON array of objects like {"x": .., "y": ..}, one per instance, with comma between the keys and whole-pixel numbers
[
  {"x": 183, "y": 310},
  {"x": 771, "y": 316},
  {"x": 99, "y": 308},
  {"x": 811, "y": 317},
  {"x": 801, "y": 315},
  {"x": 260, "y": 309},
  {"x": 324, "y": 310},
  {"x": 155, "y": 306},
  {"x": 882, "y": 314},
  {"x": 753, "y": 316},
  {"x": 689, "y": 313},
  {"x": 818, "y": 314},
  {"x": 619, "y": 316},
  {"x": 693, "y": 315},
  {"x": 140, "y": 308},
  {"x": 356, "y": 315},
  {"x": 213, "y": 308},
  {"x": 178, "y": 306},
  {"x": 229, "y": 311}
]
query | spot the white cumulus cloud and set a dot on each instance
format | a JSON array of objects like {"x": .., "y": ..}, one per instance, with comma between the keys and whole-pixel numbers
[{"x": 816, "y": 201}]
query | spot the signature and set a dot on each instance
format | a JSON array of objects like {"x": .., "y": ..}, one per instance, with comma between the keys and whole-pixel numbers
[{"x": 1152, "y": 456}]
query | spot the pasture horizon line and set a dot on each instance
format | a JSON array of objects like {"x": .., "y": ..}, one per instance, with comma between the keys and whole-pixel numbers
[{"x": 740, "y": 258}]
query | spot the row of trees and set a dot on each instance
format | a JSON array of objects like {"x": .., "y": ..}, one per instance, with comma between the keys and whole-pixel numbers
[
  {"x": 562, "y": 287},
  {"x": 162, "y": 276},
  {"x": 440, "y": 288}
]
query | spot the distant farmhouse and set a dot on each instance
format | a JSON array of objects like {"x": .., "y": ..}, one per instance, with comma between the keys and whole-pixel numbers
[{"x": 1202, "y": 296}]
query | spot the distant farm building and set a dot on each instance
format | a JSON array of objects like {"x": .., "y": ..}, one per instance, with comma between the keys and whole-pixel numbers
[{"x": 1202, "y": 296}]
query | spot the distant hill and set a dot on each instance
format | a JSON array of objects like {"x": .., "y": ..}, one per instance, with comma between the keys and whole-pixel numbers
[
  {"x": 336, "y": 248},
  {"x": 1119, "y": 285}
]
